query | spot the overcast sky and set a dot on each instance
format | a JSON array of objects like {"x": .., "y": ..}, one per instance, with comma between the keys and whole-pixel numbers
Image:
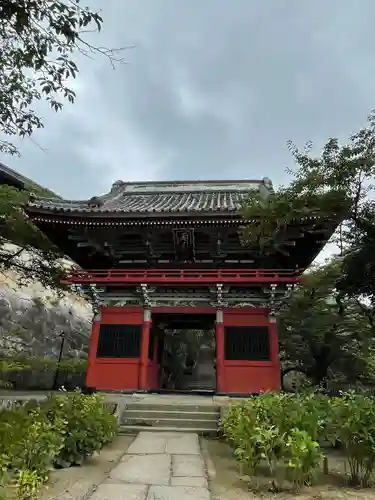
[{"x": 212, "y": 89}]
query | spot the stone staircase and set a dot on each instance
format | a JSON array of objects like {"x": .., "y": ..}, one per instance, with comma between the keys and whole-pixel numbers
[
  {"x": 202, "y": 419},
  {"x": 203, "y": 376}
]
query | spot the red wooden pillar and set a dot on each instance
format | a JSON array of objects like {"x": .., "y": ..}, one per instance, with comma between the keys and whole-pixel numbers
[
  {"x": 219, "y": 327},
  {"x": 92, "y": 347},
  {"x": 143, "y": 375},
  {"x": 274, "y": 345}
]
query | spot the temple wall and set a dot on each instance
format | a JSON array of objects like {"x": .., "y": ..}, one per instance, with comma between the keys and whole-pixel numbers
[
  {"x": 114, "y": 373},
  {"x": 251, "y": 377},
  {"x": 235, "y": 373}
]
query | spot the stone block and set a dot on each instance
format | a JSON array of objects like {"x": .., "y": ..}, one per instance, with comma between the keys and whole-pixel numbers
[
  {"x": 189, "y": 481},
  {"x": 177, "y": 493},
  {"x": 188, "y": 466},
  {"x": 143, "y": 469},
  {"x": 148, "y": 442},
  {"x": 184, "y": 444},
  {"x": 108, "y": 491}
]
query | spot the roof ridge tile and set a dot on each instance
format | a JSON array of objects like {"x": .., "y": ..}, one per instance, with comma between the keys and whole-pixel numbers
[{"x": 119, "y": 201}]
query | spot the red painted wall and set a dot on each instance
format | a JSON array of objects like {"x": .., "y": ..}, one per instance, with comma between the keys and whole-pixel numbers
[
  {"x": 236, "y": 377},
  {"x": 113, "y": 373},
  {"x": 251, "y": 377}
]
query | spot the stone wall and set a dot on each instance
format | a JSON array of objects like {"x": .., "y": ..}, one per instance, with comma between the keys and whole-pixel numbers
[{"x": 32, "y": 320}]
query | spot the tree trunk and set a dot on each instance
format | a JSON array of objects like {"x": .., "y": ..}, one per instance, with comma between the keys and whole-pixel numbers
[{"x": 320, "y": 372}]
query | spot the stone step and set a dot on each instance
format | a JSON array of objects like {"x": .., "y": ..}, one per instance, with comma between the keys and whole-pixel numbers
[
  {"x": 192, "y": 386},
  {"x": 173, "y": 407},
  {"x": 130, "y": 413},
  {"x": 171, "y": 422},
  {"x": 134, "y": 429}
]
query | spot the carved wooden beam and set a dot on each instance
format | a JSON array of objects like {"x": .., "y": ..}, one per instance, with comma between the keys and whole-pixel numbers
[
  {"x": 218, "y": 291},
  {"x": 149, "y": 242},
  {"x": 277, "y": 298},
  {"x": 145, "y": 291},
  {"x": 85, "y": 240}
]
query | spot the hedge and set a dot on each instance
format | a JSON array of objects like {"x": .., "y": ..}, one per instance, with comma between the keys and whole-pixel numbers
[
  {"x": 291, "y": 434},
  {"x": 32, "y": 373},
  {"x": 61, "y": 431}
]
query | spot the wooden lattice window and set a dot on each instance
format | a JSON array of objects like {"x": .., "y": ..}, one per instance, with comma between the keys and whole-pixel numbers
[
  {"x": 119, "y": 341},
  {"x": 247, "y": 343}
]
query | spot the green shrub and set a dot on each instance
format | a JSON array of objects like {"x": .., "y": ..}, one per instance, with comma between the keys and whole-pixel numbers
[
  {"x": 29, "y": 443},
  {"x": 290, "y": 429},
  {"x": 59, "y": 431},
  {"x": 351, "y": 421},
  {"x": 280, "y": 430},
  {"x": 4, "y": 474},
  {"x": 269, "y": 448},
  {"x": 39, "y": 442},
  {"x": 29, "y": 483},
  {"x": 89, "y": 425},
  {"x": 240, "y": 427},
  {"x": 303, "y": 457},
  {"x": 28, "y": 373}
]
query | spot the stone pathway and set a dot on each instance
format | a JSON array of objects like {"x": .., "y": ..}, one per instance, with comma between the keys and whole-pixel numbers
[{"x": 158, "y": 466}]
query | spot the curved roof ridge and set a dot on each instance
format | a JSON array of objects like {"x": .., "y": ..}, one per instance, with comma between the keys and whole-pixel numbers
[
  {"x": 204, "y": 181},
  {"x": 162, "y": 197}
]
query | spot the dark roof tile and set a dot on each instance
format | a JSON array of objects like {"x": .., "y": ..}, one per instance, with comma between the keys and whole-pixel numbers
[{"x": 148, "y": 198}]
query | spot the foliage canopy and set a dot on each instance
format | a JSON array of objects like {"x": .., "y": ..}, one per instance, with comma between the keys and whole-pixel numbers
[
  {"x": 329, "y": 326},
  {"x": 39, "y": 44},
  {"x": 24, "y": 249},
  {"x": 334, "y": 187},
  {"x": 325, "y": 336}
]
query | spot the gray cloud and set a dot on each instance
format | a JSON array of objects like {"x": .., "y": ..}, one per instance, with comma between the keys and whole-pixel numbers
[{"x": 212, "y": 89}]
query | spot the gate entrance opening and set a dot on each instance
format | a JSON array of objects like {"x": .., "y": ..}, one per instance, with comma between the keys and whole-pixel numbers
[{"x": 187, "y": 351}]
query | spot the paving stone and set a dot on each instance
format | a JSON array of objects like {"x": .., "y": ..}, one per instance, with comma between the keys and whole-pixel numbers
[
  {"x": 189, "y": 481},
  {"x": 148, "y": 442},
  {"x": 188, "y": 466},
  {"x": 108, "y": 491},
  {"x": 177, "y": 493},
  {"x": 183, "y": 444},
  {"x": 143, "y": 469},
  {"x": 170, "y": 434}
]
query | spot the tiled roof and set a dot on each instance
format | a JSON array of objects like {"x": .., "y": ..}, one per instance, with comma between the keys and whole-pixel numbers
[
  {"x": 11, "y": 177},
  {"x": 148, "y": 198}
]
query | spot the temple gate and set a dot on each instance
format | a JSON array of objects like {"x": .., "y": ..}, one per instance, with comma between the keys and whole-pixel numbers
[{"x": 162, "y": 257}]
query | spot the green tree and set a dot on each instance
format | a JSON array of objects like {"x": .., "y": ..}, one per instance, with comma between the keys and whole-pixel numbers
[
  {"x": 324, "y": 336},
  {"x": 358, "y": 270},
  {"x": 332, "y": 189},
  {"x": 39, "y": 43},
  {"x": 24, "y": 249}
]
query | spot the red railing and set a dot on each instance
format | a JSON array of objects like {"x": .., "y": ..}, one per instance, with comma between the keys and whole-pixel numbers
[{"x": 179, "y": 276}]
